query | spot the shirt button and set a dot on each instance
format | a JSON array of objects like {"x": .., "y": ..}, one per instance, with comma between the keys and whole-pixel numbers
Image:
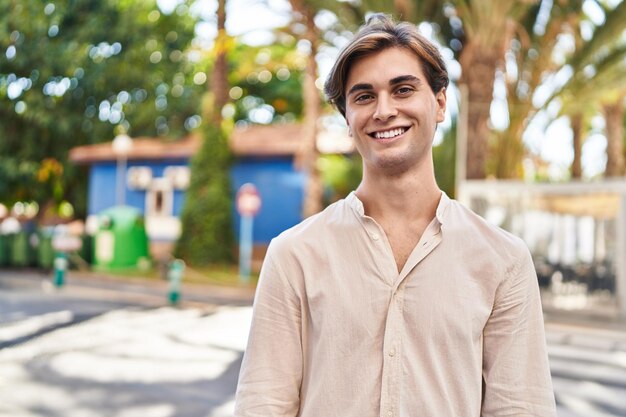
[
  {"x": 392, "y": 353},
  {"x": 375, "y": 236},
  {"x": 389, "y": 413}
]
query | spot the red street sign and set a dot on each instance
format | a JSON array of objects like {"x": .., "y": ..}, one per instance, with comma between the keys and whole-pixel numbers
[{"x": 248, "y": 200}]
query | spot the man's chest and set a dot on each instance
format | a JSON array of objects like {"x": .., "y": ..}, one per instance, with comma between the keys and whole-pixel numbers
[{"x": 437, "y": 299}]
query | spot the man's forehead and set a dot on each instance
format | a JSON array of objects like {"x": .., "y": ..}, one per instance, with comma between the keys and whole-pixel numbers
[{"x": 405, "y": 64}]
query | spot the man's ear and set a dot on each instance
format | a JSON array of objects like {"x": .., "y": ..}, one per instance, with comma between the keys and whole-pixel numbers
[
  {"x": 349, "y": 129},
  {"x": 441, "y": 99}
]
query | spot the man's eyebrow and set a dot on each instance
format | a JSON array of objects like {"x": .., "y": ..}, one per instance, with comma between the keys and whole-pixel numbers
[
  {"x": 404, "y": 78},
  {"x": 394, "y": 81},
  {"x": 360, "y": 87}
]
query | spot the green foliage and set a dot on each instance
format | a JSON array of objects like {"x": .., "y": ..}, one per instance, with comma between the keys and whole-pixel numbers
[
  {"x": 269, "y": 78},
  {"x": 548, "y": 46},
  {"x": 597, "y": 64},
  {"x": 207, "y": 225},
  {"x": 16, "y": 178},
  {"x": 72, "y": 71},
  {"x": 340, "y": 175},
  {"x": 444, "y": 156}
]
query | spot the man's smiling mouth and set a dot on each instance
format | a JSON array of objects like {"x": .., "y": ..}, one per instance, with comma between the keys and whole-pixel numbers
[{"x": 389, "y": 134}]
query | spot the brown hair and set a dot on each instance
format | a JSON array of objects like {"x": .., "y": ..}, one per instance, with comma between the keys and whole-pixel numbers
[{"x": 381, "y": 32}]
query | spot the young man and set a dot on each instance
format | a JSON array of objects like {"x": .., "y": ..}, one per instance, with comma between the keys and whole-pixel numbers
[{"x": 396, "y": 301}]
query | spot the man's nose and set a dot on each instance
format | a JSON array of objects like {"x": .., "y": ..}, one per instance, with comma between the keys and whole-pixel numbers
[{"x": 385, "y": 108}]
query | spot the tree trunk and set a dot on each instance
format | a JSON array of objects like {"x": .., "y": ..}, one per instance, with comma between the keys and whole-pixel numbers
[
  {"x": 509, "y": 155},
  {"x": 576, "y": 121},
  {"x": 308, "y": 154},
  {"x": 405, "y": 9},
  {"x": 313, "y": 192},
  {"x": 478, "y": 65},
  {"x": 614, "y": 117},
  {"x": 219, "y": 81}
]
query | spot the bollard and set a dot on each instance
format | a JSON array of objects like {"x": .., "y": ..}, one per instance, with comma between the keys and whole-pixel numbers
[
  {"x": 245, "y": 248},
  {"x": 60, "y": 266},
  {"x": 175, "y": 277}
]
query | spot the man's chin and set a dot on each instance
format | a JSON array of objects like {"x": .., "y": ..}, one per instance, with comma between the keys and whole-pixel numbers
[{"x": 393, "y": 166}]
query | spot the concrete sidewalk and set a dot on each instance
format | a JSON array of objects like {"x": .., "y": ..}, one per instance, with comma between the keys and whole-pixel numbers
[
  {"x": 142, "y": 290},
  {"x": 592, "y": 322}
]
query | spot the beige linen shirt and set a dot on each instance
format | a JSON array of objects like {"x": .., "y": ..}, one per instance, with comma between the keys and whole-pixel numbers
[{"x": 338, "y": 332}]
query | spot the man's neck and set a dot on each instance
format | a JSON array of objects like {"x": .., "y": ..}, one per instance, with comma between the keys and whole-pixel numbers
[
  {"x": 407, "y": 197},
  {"x": 403, "y": 205}
]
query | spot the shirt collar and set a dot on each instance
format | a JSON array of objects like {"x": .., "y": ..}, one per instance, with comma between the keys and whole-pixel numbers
[
  {"x": 444, "y": 203},
  {"x": 357, "y": 205}
]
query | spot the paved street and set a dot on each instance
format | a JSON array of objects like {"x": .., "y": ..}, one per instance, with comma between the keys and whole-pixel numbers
[
  {"x": 102, "y": 349},
  {"x": 92, "y": 351},
  {"x": 588, "y": 370}
]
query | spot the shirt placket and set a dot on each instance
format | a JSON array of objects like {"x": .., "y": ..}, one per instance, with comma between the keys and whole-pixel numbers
[
  {"x": 385, "y": 263},
  {"x": 391, "y": 343},
  {"x": 392, "y": 352},
  {"x": 391, "y": 388}
]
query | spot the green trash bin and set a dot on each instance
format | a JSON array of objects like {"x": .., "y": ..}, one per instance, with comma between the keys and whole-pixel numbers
[
  {"x": 121, "y": 241},
  {"x": 86, "y": 250},
  {"x": 20, "y": 246},
  {"x": 5, "y": 250},
  {"x": 45, "y": 252}
]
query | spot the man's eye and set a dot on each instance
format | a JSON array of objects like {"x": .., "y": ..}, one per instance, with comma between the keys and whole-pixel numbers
[
  {"x": 404, "y": 90},
  {"x": 363, "y": 98}
]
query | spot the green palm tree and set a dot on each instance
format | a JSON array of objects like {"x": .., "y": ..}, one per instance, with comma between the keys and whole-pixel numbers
[
  {"x": 598, "y": 85},
  {"x": 488, "y": 27},
  {"x": 479, "y": 31},
  {"x": 596, "y": 65},
  {"x": 527, "y": 62}
]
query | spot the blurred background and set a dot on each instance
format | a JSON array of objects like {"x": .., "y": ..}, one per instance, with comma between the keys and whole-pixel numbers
[{"x": 150, "y": 150}]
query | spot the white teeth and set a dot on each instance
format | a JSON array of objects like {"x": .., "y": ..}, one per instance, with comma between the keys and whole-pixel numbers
[{"x": 389, "y": 133}]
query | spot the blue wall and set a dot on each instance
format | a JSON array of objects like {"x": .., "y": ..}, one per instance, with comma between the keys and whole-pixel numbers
[
  {"x": 102, "y": 186},
  {"x": 281, "y": 189}
]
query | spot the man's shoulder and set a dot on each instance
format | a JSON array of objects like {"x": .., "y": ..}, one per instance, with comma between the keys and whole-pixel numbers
[
  {"x": 464, "y": 221},
  {"x": 316, "y": 226}
]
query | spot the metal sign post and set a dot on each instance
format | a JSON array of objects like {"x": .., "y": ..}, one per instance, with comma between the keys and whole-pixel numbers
[
  {"x": 175, "y": 277},
  {"x": 248, "y": 206}
]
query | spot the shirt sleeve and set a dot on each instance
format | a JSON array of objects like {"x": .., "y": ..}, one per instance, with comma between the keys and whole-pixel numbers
[
  {"x": 516, "y": 373},
  {"x": 271, "y": 371}
]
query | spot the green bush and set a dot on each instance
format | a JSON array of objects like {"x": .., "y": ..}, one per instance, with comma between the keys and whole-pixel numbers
[{"x": 207, "y": 235}]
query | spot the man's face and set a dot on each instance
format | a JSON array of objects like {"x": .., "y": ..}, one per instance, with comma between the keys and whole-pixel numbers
[{"x": 391, "y": 111}]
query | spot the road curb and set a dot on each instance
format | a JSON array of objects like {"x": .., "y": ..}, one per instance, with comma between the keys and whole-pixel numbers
[{"x": 192, "y": 293}]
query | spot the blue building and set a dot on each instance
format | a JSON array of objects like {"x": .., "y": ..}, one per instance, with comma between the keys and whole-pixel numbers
[{"x": 156, "y": 177}]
